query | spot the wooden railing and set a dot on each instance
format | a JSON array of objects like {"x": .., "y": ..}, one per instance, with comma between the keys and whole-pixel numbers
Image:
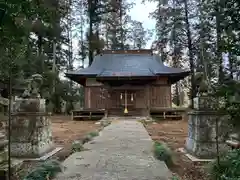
[
  {"x": 88, "y": 114},
  {"x": 168, "y": 113}
]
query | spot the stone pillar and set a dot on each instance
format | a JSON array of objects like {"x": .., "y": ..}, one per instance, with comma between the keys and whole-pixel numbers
[
  {"x": 31, "y": 129},
  {"x": 201, "y": 140}
]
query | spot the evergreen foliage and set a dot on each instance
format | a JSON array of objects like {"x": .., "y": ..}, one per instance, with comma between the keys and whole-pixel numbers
[
  {"x": 163, "y": 153},
  {"x": 228, "y": 167},
  {"x": 45, "y": 171}
]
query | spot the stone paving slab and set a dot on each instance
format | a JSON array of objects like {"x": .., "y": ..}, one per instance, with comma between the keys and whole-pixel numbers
[{"x": 122, "y": 151}]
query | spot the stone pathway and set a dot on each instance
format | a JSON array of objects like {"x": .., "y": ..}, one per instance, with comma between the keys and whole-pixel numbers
[{"x": 123, "y": 151}]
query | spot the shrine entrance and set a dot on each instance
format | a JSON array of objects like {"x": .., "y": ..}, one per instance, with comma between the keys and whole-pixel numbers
[
  {"x": 123, "y": 102},
  {"x": 128, "y": 101},
  {"x": 127, "y": 98}
]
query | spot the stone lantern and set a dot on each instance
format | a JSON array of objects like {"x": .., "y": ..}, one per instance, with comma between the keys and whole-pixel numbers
[{"x": 202, "y": 123}]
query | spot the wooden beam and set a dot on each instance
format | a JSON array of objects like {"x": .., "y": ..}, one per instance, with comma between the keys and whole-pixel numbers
[
  {"x": 148, "y": 97},
  {"x": 89, "y": 97}
]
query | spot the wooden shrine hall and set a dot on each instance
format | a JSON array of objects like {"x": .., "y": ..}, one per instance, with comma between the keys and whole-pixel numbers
[{"x": 126, "y": 82}]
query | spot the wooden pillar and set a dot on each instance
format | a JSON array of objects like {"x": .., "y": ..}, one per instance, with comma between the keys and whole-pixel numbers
[
  {"x": 106, "y": 102},
  {"x": 170, "y": 89},
  {"x": 148, "y": 100},
  {"x": 89, "y": 97}
]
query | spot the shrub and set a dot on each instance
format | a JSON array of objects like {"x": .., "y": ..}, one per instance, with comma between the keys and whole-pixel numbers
[
  {"x": 175, "y": 178},
  {"x": 163, "y": 153},
  {"x": 105, "y": 123},
  {"x": 94, "y": 134},
  {"x": 228, "y": 168},
  {"x": 46, "y": 170},
  {"x": 77, "y": 146},
  {"x": 87, "y": 139}
]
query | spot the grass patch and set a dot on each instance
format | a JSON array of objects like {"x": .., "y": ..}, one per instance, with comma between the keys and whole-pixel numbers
[
  {"x": 163, "y": 153},
  {"x": 94, "y": 134},
  {"x": 175, "y": 178},
  {"x": 90, "y": 136},
  {"x": 142, "y": 121},
  {"x": 105, "y": 123},
  {"x": 86, "y": 139},
  {"x": 145, "y": 122},
  {"x": 47, "y": 170},
  {"x": 77, "y": 146}
]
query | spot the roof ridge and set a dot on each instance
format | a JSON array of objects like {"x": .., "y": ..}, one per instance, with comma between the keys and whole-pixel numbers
[{"x": 134, "y": 51}]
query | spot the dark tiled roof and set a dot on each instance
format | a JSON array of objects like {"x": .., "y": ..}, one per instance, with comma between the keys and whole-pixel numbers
[{"x": 128, "y": 65}]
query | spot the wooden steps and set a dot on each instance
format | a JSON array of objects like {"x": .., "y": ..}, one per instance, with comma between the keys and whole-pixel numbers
[
  {"x": 120, "y": 112},
  {"x": 88, "y": 114},
  {"x": 157, "y": 113}
]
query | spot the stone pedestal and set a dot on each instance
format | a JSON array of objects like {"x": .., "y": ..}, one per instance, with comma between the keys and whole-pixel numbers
[
  {"x": 201, "y": 140},
  {"x": 15, "y": 164},
  {"x": 204, "y": 103},
  {"x": 31, "y": 129}
]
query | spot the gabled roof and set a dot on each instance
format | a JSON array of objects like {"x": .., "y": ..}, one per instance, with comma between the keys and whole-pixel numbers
[{"x": 128, "y": 64}]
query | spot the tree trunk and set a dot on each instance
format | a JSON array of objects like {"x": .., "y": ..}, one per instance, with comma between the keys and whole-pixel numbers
[
  {"x": 90, "y": 40},
  {"x": 121, "y": 24},
  {"x": 190, "y": 49},
  {"x": 114, "y": 32},
  {"x": 39, "y": 53},
  {"x": 70, "y": 58},
  {"x": 175, "y": 60},
  {"x": 202, "y": 43},
  {"x": 54, "y": 67},
  {"x": 82, "y": 38},
  {"x": 218, "y": 31},
  {"x": 230, "y": 59}
]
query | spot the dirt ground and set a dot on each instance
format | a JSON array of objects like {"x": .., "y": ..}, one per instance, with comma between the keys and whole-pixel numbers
[
  {"x": 174, "y": 134},
  {"x": 64, "y": 132}
]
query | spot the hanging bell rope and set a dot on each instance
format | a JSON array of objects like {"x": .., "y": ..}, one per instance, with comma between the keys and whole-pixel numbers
[{"x": 125, "y": 109}]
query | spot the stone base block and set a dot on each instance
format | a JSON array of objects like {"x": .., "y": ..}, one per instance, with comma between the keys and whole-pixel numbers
[
  {"x": 201, "y": 140},
  {"x": 194, "y": 159},
  {"x": 204, "y": 150},
  {"x": 31, "y": 135},
  {"x": 28, "y": 150}
]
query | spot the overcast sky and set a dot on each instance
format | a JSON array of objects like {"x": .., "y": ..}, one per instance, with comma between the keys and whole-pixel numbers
[{"x": 140, "y": 12}]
